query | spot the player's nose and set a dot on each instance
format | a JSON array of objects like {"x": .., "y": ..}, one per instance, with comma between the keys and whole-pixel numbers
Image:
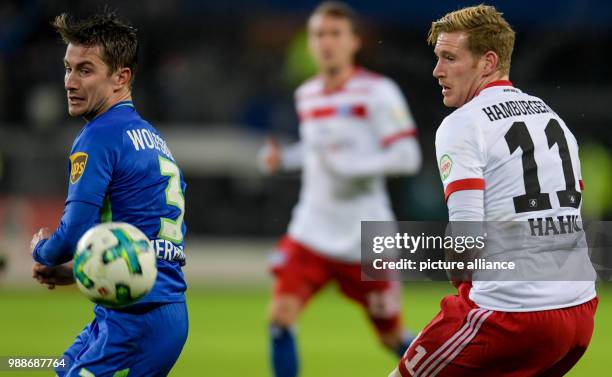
[
  {"x": 438, "y": 70},
  {"x": 70, "y": 82}
]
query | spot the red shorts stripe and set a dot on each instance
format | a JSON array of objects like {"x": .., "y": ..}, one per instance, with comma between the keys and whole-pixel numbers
[
  {"x": 453, "y": 343},
  {"x": 458, "y": 346},
  {"x": 464, "y": 184}
]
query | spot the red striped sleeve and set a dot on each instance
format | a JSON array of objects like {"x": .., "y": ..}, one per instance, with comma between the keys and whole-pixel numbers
[
  {"x": 398, "y": 136},
  {"x": 581, "y": 184},
  {"x": 464, "y": 184}
]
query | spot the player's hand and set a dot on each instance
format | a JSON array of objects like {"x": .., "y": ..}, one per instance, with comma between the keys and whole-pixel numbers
[
  {"x": 42, "y": 234},
  {"x": 52, "y": 276},
  {"x": 269, "y": 158}
]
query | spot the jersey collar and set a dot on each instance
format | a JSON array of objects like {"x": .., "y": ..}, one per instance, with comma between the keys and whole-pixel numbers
[
  {"x": 122, "y": 104},
  {"x": 495, "y": 83},
  {"x": 115, "y": 106},
  {"x": 341, "y": 86}
]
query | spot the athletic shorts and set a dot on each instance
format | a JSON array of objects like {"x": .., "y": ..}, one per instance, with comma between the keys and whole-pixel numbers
[
  {"x": 140, "y": 341},
  {"x": 302, "y": 272},
  {"x": 466, "y": 340}
]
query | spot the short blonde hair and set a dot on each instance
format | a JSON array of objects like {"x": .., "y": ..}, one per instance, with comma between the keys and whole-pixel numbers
[{"x": 486, "y": 29}]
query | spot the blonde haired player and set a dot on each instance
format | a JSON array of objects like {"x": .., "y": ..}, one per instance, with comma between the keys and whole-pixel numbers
[
  {"x": 504, "y": 156},
  {"x": 355, "y": 128}
]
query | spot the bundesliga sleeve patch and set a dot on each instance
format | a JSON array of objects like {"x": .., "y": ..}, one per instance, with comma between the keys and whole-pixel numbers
[
  {"x": 78, "y": 162},
  {"x": 400, "y": 115},
  {"x": 446, "y": 164}
]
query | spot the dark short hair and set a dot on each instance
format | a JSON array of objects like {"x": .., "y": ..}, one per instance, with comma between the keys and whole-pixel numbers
[
  {"x": 116, "y": 37},
  {"x": 340, "y": 10}
]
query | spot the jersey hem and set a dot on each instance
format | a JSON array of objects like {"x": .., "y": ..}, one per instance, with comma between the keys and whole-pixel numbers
[{"x": 536, "y": 309}]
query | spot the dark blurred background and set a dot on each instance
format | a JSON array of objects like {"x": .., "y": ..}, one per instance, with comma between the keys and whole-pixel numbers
[{"x": 217, "y": 77}]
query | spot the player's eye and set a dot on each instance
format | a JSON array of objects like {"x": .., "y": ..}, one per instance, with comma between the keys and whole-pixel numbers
[
  {"x": 84, "y": 71},
  {"x": 67, "y": 69}
]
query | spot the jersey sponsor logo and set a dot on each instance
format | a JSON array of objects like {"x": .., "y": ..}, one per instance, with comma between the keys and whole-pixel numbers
[
  {"x": 78, "y": 162},
  {"x": 446, "y": 164}
]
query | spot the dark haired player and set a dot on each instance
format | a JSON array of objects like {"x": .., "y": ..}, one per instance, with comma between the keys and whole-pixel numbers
[{"x": 120, "y": 170}]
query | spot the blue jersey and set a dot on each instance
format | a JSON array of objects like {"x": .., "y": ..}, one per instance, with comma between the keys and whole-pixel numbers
[{"x": 120, "y": 163}]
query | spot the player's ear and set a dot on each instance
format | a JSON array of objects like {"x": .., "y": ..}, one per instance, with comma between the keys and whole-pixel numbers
[
  {"x": 491, "y": 60},
  {"x": 122, "y": 77}
]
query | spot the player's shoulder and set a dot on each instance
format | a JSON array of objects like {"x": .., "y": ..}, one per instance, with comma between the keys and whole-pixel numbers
[
  {"x": 115, "y": 119},
  {"x": 364, "y": 77},
  {"x": 108, "y": 129},
  {"x": 459, "y": 123},
  {"x": 539, "y": 101},
  {"x": 311, "y": 87},
  {"x": 382, "y": 88},
  {"x": 469, "y": 117},
  {"x": 101, "y": 131}
]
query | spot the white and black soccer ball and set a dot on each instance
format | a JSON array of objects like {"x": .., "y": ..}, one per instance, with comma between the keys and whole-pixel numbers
[{"x": 114, "y": 264}]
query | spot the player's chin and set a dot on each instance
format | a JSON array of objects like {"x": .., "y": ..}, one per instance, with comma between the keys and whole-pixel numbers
[
  {"x": 328, "y": 64},
  {"x": 451, "y": 101},
  {"x": 448, "y": 101},
  {"x": 75, "y": 110}
]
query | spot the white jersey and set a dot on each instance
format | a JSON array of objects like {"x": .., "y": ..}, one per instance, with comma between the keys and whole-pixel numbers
[
  {"x": 367, "y": 114},
  {"x": 520, "y": 152}
]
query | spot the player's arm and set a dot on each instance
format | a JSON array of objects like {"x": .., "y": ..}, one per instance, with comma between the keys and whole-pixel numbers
[
  {"x": 401, "y": 158},
  {"x": 460, "y": 154},
  {"x": 92, "y": 163},
  {"x": 60, "y": 246},
  {"x": 400, "y": 153},
  {"x": 273, "y": 158}
]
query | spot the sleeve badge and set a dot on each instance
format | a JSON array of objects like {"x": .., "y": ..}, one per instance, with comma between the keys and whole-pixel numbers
[{"x": 78, "y": 162}]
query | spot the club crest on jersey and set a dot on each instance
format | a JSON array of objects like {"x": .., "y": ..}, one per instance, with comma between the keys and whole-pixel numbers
[
  {"x": 78, "y": 162},
  {"x": 446, "y": 164}
]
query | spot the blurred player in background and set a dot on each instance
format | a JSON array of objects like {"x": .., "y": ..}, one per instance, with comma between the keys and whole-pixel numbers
[
  {"x": 498, "y": 162},
  {"x": 355, "y": 128},
  {"x": 120, "y": 170}
]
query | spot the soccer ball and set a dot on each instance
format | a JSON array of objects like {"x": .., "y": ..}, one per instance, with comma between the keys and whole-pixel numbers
[{"x": 114, "y": 264}]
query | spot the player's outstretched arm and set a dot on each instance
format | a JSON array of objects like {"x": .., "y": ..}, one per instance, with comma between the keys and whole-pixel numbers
[
  {"x": 60, "y": 246},
  {"x": 273, "y": 158},
  {"x": 403, "y": 157}
]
